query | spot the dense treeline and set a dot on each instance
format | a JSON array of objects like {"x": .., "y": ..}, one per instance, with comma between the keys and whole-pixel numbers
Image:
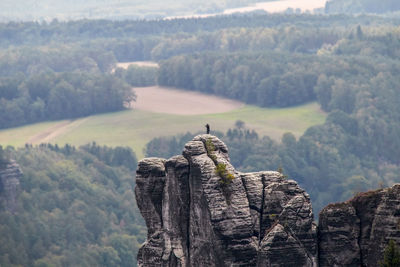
[
  {"x": 59, "y": 95},
  {"x": 33, "y": 60},
  {"x": 34, "y": 33},
  {"x": 74, "y": 209},
  {"x": 102, "y": 54},
  {"x": 263, "y": 79},
  {"x": 138, "y": 75},
  {"x": 145, "y": 40},
  {"x": 274, "y": 79},
  {"x": 288, "y": 38},
  {"x": 118, "y": 156},
  {"x": 58, "y": 82},
  {"x": 331, "y": 62}
]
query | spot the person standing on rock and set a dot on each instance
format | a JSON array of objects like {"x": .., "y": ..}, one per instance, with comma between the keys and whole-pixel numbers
[{"x": 208, "y": 128}]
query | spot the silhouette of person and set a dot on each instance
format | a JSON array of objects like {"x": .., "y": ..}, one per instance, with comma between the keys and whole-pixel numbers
[{"x": 208, "y": 128}]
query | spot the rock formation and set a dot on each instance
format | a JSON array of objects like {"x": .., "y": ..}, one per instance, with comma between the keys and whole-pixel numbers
[
  {"x": 200, "y": 211},
  {"x": 356, "y": 232},
  {"x": 196, "y": 218},
  {"x": 9, "y": 185}
]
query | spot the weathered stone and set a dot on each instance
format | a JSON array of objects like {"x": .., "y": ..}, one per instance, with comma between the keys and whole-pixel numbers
[
  {"x": 339, "y": 229},
  {"x": 356, "y": 232},
  {"x": 259, "y": 219},
  {"x": 10, "y": 185},
  {"x": 194, "y": 219},
  {"x": 281, "y": 247},
  {"x": 175, "y": 211},
  {"x": 150, "y": 181}
]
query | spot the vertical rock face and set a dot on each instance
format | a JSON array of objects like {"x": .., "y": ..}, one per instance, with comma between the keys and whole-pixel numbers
[
  {"x": 356, "y": 232},
  {"x": 9, "y": 185},
  {"x": 196, "y": 218}
]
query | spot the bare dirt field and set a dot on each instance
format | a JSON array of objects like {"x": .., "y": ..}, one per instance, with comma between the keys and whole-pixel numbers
[{"x": 180, "y": 102}]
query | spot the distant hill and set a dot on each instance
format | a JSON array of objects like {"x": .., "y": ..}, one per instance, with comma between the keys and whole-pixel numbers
[
  {"x": 362, "y": 6},
  {"x": 112, "y": 9}
]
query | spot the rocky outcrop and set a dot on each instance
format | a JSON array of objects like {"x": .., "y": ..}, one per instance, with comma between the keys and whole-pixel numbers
[
  {"x": 197, "y": 215},
  {"x": 356, "y": 232},
  {"x": 9, "y": 185},
  {"x": 200, "y": 211}
]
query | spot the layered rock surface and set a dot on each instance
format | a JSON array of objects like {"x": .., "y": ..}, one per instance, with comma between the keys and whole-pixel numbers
[
  {"x": 195, "y": 219},
  {"x": 356, "y": 232},
  {"x": 9, "y": 185}
]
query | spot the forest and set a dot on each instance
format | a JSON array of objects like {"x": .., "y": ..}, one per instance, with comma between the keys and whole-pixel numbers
[
  {"x": 76, "y": 207},
  {"x": 268, "y": 60},
  {"x": 79, "y": 200}
]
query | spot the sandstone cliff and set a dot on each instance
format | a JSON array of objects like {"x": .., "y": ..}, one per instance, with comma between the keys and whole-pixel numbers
[
  {"x": 194, "y": 218},
  {"x": 9, "y": 186},
  {"x": 356, "y": 232}
]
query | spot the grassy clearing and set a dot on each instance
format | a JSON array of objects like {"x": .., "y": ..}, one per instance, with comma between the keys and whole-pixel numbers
[
  {"x": 135, "y": 128},
  {"x": 20, "y": 135}
]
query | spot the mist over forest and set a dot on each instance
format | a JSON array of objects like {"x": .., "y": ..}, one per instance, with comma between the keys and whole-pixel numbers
[
  {"x": 68, "y": 115},
  {"x": 114, "y": 9}
]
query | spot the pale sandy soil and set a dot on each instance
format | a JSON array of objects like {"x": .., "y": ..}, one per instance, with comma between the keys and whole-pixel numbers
[
  {"x": 174, "y": 101},
  {"x": 125, "y": 65}
]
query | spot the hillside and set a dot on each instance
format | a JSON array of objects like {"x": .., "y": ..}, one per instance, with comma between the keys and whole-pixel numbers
[
  {"x": 70, "y": 207},
  {"x": 134, "y": 128}
]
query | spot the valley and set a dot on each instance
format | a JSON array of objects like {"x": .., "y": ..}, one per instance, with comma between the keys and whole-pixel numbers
[{"x": 155, "y": 114}]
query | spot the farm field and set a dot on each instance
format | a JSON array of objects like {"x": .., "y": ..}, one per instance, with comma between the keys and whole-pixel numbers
[
  {"x": 136, "y": 127},
  {"x": 181, "y": 102}
]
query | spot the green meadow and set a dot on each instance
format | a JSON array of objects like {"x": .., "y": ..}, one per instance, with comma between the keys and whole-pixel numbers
[{"x": 134, "y": 128}]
